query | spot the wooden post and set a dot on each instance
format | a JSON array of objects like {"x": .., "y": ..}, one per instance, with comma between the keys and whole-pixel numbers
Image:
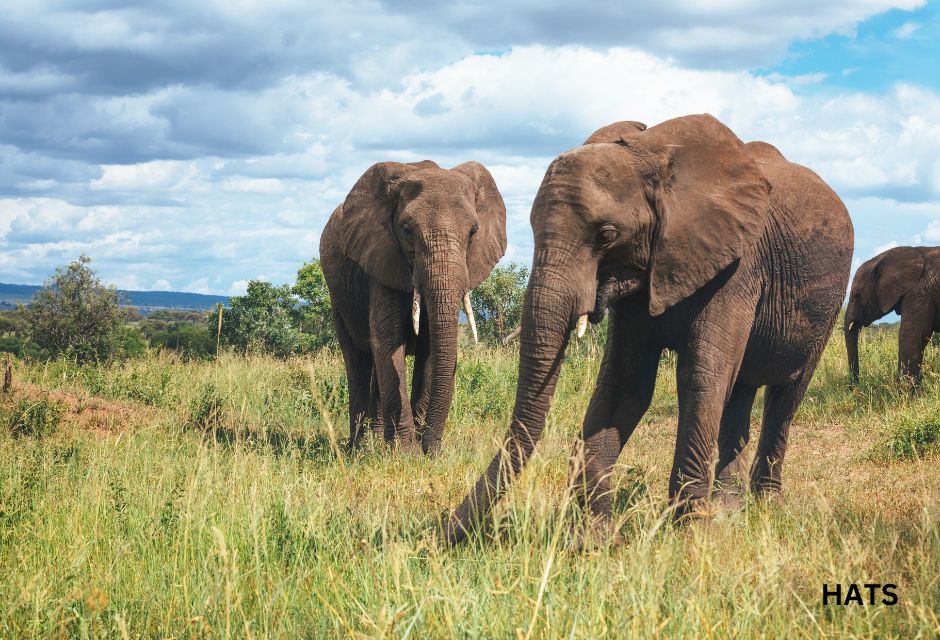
[
  {"x": 8, "y": 377},
  {"x": 218, "y": 334}
]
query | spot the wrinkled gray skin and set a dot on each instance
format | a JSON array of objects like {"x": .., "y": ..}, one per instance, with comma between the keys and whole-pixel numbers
[
  {"x": 905, "y": 280},
  {"x": 726, "y": 253},
  {"x": 407, "y": 227}
]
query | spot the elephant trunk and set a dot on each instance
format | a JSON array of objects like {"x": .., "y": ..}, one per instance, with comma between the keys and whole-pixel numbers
[
  {"x": 443, "y": 294},
  {"x": 547, "y": 319},
  {"x": 852, "y": 328}
]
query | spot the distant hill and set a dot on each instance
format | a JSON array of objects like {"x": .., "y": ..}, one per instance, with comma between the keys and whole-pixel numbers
[{"x": 11, "y": 294}]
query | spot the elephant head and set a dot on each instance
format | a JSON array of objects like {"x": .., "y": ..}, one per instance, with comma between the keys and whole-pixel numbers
[
  {"x": 657, "y": 212},
  {"x": 416, "y": 227},
  {"x": 879, "y": 287}
]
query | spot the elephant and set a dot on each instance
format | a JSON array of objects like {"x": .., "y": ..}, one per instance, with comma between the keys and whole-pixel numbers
[
  {"x": 723, "y": 252},
  {"x": 398, "y": 255},
  {"x": 902, "y": 279}
]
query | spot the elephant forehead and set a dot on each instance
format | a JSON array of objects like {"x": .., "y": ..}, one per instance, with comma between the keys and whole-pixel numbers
[{"x": 589, "y": 182}]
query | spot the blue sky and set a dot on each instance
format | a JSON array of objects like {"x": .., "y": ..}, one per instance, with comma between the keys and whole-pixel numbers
[{"x": 195, "y": 146}]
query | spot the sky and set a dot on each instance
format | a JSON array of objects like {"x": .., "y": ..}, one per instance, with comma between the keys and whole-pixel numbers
[{"x": 194, "y": 146}]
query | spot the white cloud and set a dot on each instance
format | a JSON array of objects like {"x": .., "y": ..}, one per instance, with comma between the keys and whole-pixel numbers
[{"x": 906, "y": 30}]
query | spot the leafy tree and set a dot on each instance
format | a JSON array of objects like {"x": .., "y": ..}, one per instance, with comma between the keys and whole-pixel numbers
[
  {"x": 497, "y": 301},
  {"x": 264, "y": 320},
  {"x": 316, "y": 316},
  {"x": 75, "y": 314}
]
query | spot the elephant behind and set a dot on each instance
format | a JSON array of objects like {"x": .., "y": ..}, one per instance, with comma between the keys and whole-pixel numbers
[
  {"x": 725, "y": 253},
  {"x": 904, "y": 280},
  {"x": 399, "y": 255}
]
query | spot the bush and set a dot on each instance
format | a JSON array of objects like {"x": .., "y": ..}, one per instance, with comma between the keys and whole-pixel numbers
[
  {"x": 264, "y": 320},
  {"x": 190, "y": 340},
  {"x": 74, "y": 314},
  {"x": 37, "y": 418},
  {"x": 316, "y": 316},
  {"x": 913, "y": 437},
  {"x": 497, "y": 302}
]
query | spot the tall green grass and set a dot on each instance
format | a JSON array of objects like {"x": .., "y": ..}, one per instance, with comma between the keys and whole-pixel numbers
[{"x": 226, "y": 506}]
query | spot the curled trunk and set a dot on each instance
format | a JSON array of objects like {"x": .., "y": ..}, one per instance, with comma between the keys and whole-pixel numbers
[
  {"x": 851, "y": 348},
  {"x": 443, "y": 304},
  {"x": 545, "y": 327}
]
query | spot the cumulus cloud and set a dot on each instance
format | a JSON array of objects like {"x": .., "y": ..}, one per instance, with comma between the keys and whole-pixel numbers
[{"x": 199, "y": 144}]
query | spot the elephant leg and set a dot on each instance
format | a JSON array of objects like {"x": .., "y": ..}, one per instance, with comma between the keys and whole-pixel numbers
[
  {"x": 623, "y": 393},
  {"x": 706, "y": 372},
  {"x": 358, "y": 376},
  {"x": 733, "y": 436},
  {"x": 386, "y": 329},
  {"x": 917, "y": 322},
  {"x": 780, "y": 405},
  {"x": 421, "y": 375},
  {"x": 375, "y": 408}
]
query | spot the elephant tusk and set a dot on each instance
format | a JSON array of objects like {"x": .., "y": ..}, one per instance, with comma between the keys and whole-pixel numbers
[
  {"x": 512, "y": 336},
  {"x": 416, "y": 311},
  {"x": 851, "y": 326},
  {"x": 468, "y": 309},
  {"x": 582, "y": 325}
]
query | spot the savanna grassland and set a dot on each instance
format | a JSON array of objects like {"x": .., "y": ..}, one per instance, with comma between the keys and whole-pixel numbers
[{"x": 166, "y": 498}]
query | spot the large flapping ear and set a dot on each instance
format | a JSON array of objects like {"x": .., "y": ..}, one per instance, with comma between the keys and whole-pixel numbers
[
  {"x": 366, "y": 233},
  {"x": 616, "y": 132},
  {"x": 489, "y": 243},
  {"x": 898, "y": 270},
  {"x": 712, "y": 201}
]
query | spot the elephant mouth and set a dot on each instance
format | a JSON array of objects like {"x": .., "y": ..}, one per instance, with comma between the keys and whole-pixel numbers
[{"x": 612, "y": 285}]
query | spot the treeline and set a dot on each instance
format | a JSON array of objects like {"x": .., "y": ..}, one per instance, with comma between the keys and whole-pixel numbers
[{"x": 76, "y": 316}]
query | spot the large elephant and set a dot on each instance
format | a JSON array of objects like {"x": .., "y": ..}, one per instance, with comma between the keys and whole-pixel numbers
[
  {"x": 905, "y": 280},
  {"x": 399, "y": 255},
  {"x": 726, "y": 253}
]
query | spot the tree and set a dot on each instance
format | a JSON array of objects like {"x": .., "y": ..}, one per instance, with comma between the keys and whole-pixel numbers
[
  {"x": 497, "y": 301},
  {"x": 76, "y": 315},
  {"x": 316, "y": 316},
  {"x": 264, "y": 320}
]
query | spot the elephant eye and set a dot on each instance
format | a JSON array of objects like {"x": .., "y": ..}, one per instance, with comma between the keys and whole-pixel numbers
[
  {"x": 607, "y": 235},
  {"x": 473, "y": 232},
  {"x": 406, "y": 231}
]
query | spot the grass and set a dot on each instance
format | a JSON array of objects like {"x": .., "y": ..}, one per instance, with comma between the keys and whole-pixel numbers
[{"x": 214, "y": 499}]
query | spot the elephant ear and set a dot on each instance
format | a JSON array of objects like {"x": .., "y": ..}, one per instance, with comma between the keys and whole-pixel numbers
[
  {"x": 489, "y": 243},
  {"x": 616, "y": 132},
  {"x": 896, "y": 273},
  {"x": 712, "y": 201},
  {"x": 366, "y": 230}
]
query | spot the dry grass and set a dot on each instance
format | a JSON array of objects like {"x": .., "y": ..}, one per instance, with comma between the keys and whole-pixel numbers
[{"x": 218, "y": 502}]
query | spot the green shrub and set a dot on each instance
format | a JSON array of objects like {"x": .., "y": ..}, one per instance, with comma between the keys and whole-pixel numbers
[
  {"x": 207, "y": 410},
  {"x": 37, "y": 418},
  {"x": 913, "y": 437}
]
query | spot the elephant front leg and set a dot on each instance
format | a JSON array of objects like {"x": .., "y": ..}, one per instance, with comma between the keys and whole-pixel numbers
[
  {"x": 623, "y": 394},
  {"x": 707, "y": 369},
  {"x": 386, "y": 328}
]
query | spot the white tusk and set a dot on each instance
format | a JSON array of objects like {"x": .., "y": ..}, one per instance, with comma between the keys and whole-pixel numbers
[
  {"x": 512, "y": 336},
  {"x": 468, "y": 309},
  {"x": 416, "y": 311},
  {"x": 582, "y": 325},
  {"x": 851, "y": 325}
]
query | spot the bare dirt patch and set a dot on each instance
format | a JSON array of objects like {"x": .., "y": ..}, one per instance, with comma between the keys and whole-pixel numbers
[{"x": 98, "y": 416}]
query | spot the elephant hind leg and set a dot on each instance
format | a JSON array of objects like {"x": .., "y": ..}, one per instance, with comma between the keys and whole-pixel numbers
[
  {"x": 359, "y": 377},
  {"x": 916, "y": 328},
  {"x": 421, "y": 375},
  {"x": 780, "y": 405},
  {"x": 733, "y": 436}
]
